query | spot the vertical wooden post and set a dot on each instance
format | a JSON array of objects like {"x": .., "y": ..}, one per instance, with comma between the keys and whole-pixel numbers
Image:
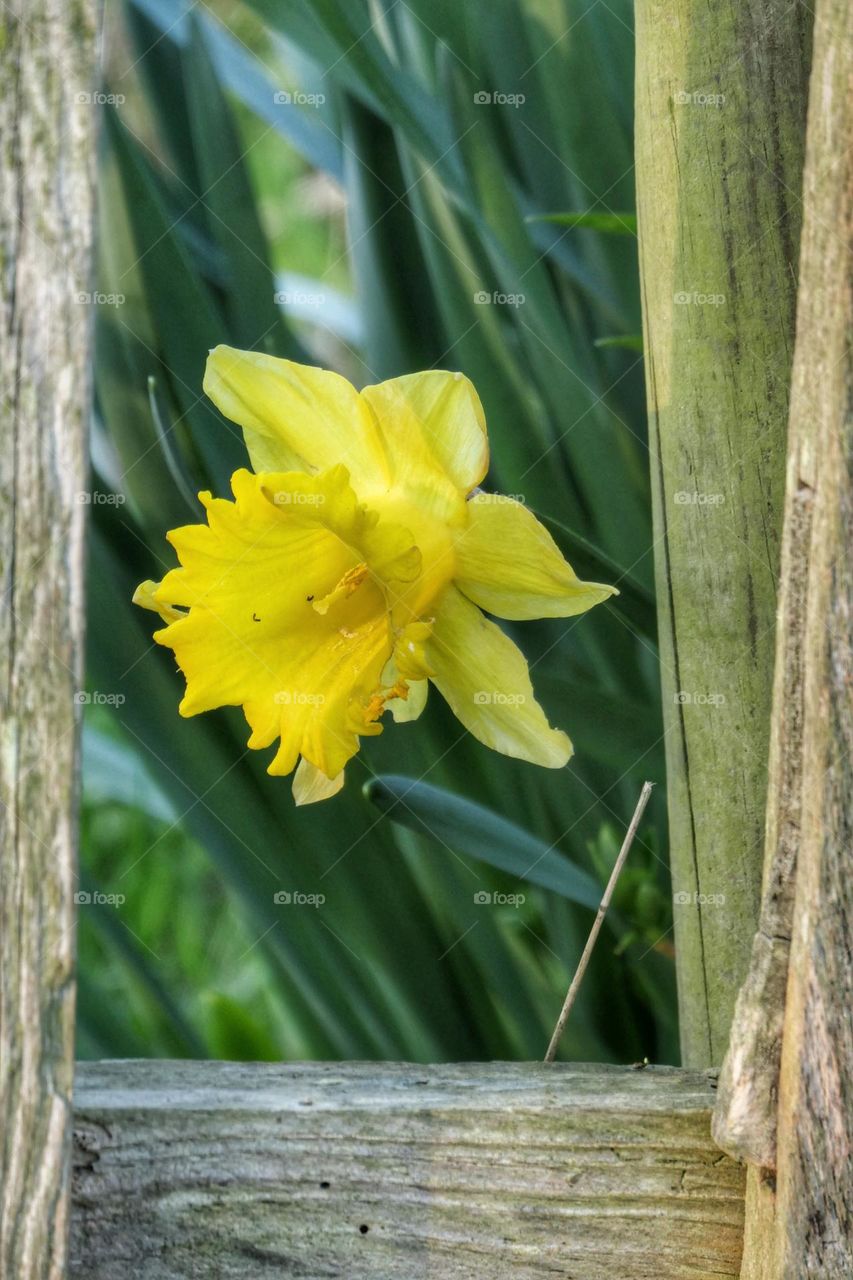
[
  {"x": 795, "y": 1125},
  {"x": 47, "y": 124},
  {"x": 815, "y": 1137},
  {"x": 720, "y": 105}
]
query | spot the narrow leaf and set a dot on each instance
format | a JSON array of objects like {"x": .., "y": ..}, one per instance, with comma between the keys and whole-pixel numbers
[
  {"x": 616, "y": 224},
  {"x": 472, "y": 829}
]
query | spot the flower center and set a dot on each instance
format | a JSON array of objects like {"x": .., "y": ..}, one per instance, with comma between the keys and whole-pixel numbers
[{"x": 433, "y": 538}]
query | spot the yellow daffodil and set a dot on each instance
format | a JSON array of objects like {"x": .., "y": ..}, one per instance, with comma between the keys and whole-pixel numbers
[{"x": 351, "y": 568}]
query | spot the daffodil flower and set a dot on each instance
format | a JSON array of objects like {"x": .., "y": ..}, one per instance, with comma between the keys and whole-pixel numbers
[{"x": 351, "y": 569}]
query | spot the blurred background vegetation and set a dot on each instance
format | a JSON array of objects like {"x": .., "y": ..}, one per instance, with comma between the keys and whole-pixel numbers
[{"x": 378, "y": 188}]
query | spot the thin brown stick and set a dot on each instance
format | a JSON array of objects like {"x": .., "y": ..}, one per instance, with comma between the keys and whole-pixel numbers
[{"x": 598, "y": 922}]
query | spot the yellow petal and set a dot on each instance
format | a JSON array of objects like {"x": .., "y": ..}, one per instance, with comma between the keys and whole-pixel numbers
[
  {"x": 411, "y": 661},
  {"x": 485, "y": 679},
  {"x": 434, "y": 434},
  {"x": 310, "y": 785},
  {"x": 145, "y": 597},
  {"x": 252, "y": 638},
  {"x": 409, "y": 708},
  {"x": 508, "y": 563},
  {"x": 296, "y": 417}
]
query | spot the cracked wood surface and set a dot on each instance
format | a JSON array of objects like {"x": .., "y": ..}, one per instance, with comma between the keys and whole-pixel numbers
[
  {"x": 786, "y": 1097},
  {"x": 720, "y": 110},
  {"x": 813, "y": 1225},
  {"x": 372, "y": 1171},
  {"x": 46, "y": 207}
]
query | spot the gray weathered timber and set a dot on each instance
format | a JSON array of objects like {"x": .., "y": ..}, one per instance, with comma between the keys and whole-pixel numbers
[
  {"x": 720, "y": 110},
  {"x": 799, "y": 1120},
  {"x": 394, "y": 1172},
  {"x": 46, "y": 204},
  {"x": 748, "y": 1093},
  {"x": 814, "y": 1218}
]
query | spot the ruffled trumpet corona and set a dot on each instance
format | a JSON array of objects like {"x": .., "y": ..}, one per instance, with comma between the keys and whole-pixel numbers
[{"x": 351, "y": 569}]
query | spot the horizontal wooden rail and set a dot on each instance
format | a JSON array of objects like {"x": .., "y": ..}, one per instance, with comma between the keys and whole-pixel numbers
[{"x": 376, "y": 1171}]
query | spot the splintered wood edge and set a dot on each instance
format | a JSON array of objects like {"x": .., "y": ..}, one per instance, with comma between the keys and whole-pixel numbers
[{"x": 366, "y": 1170}]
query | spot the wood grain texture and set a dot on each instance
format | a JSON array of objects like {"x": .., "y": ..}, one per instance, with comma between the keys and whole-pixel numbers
[
  {"x": 46, "y": 207},
  {"x": 383, "y": 1171},
  {"x": 795, "y": 1005},
  {"x": 745, "y": 1118},
  {"x": 745, "y": 1114},
  {"x": 720, "y": 111},
  {"x": 814, "y": 1216}
]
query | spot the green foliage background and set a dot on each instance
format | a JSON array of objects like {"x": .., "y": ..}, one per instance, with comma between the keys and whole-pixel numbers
[{"x": 344, "y": 184}]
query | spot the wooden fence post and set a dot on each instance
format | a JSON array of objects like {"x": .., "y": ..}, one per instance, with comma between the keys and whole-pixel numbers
[
  {"x": 47, "y": 125},
  {"x": 796, "y": 1128},
  {"x": 720, "y": 97}
]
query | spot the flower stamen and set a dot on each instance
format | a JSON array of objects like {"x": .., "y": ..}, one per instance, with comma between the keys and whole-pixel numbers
[{"x": 349, "y": 583}]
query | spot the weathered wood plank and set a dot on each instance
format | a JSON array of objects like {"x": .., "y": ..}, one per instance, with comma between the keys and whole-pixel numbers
[
  {"x": 814, "y": 598},
  {"x": 720, "y": 110},
  {"x": 794, "y": 1008},
  {"x": 814, "y": 1212},
  {"x": 47, "y": 156},
  {"x": 383, "y": 1171}
]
